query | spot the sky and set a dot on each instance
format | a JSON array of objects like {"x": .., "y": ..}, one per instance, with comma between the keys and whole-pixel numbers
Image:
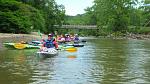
[{"x": 74, "y": 7}]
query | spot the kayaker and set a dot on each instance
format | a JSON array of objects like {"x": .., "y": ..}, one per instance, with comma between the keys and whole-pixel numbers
[
  {"x": 72, "y": 37},
  {"x": 76, "y": 38},
  {"x": 67, "y": 38},
  {"x": 61, "y": 39},
  {"x": 50, "y": 42}
]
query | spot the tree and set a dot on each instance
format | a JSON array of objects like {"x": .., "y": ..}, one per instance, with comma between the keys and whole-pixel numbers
[
  {"x": 114, "y": 14},
  {"x": 16, "y": 17},
  {"x": 90, "y": 16},
  {"x": 53, "y": 14},
  {"x": 147, "y": 13}
]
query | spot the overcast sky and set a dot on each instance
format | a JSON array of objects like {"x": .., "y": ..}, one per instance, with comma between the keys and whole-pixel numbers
[{"x": 74, "y": 7}]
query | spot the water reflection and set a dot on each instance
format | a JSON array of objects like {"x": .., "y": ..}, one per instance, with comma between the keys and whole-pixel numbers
[
  {"x": 14, "y": 67},
  {"x": 137, "y": 57},
  {"x": 72, "y": 57},
  {"x": 109, "y": 62}
]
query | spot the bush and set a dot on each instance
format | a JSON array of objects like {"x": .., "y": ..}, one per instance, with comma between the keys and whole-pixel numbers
[{"x": 144, "y": 30}]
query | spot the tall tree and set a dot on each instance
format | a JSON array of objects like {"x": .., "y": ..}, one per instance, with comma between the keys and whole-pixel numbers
[
  {"x": 113, "y": 13},
  {"x": 90, "y": 16},
  {"x": 147, "y": 12},
  {"x": 54, "y": 14}
]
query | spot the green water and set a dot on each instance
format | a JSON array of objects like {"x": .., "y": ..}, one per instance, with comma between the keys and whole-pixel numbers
[{"x": 100, "y": 61}]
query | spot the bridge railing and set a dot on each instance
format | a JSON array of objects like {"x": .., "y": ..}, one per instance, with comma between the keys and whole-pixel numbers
[{"x": 77, "y": 26}]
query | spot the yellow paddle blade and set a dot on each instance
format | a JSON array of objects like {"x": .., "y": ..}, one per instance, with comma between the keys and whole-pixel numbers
[
  {"x": 71, "y": 49},
  {"x": 19, "y": 46}
]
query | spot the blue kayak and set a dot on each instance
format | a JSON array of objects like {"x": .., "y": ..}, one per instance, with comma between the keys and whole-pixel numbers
[{"x": 75, "y": 45}]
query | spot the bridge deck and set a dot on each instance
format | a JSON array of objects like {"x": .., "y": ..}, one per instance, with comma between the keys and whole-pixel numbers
[{"x": 77, "y": 26}]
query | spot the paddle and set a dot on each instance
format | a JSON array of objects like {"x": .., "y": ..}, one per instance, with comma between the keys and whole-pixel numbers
[
  {"x": 19, "y": 46},
  {"x": 71, "y": 49},
  {"x": 39, "y": 33}
]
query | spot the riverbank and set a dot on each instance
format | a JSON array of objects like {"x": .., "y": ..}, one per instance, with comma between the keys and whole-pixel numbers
[
  {"x": 19, "y": 37},
  {"x": 138, "y": 36},
  {"x": 7, "y": 37},
  {"x": 129, "y": 36}
]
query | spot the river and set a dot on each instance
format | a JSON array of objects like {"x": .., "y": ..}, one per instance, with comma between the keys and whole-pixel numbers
[{"x": 100, "y": 61}]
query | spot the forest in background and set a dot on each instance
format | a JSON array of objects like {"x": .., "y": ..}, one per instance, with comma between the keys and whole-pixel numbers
[{"x": 111, "y": 17}]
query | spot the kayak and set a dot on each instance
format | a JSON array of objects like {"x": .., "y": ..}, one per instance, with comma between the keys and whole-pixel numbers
[
  {"x": 61, "y": 47},
  {"x": 20, "y": 46},
  {"x": 83, "y": 41},
  {"x": 75, "y": 45},
  {"x": 48, "y": 52},
  {"x": 80, "y": 41},
  {"x": 35, "y": 43},
  {"x": 78, "y": 45}
]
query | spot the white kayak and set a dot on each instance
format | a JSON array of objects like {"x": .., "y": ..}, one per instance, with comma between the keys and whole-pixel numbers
[{"x": 48, "y": 52}]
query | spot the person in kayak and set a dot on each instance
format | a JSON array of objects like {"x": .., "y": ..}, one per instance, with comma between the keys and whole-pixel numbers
[
  {"x": 67, "y": 38},
  {"x": 50, "y": 42},
  {"x": 76, "y": 38},
  {"x": 61, "y": 39}
]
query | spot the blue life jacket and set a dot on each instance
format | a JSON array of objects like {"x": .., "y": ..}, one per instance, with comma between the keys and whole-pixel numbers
[
  {"x": 49, "y": 43},
  {"x": 76, "y": 39}
]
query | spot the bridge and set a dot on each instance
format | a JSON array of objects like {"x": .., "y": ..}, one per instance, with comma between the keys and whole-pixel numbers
[{"x": 76, "y": 26}]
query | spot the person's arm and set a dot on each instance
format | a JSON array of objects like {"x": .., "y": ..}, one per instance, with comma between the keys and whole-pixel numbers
[
  {"x": 55, "y": 43},
  {"x": 42, "y": 46}
]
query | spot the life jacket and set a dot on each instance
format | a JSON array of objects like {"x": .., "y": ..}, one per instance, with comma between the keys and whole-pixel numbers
[
  {"x": 49, "y": 43},
  {"x": 67, "y": 39},
  {"x": 76, "y": 39}
]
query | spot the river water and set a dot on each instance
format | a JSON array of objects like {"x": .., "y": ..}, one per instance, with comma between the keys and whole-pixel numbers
[{"x": 100, "y": 61}]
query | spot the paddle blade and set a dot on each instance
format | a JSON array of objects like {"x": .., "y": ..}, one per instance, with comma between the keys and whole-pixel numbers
[
  {"x": 71, "y": 49},
  {"x": 19, "y": 46}
]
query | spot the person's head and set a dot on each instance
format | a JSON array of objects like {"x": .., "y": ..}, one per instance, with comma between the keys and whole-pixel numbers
[
  {"x": 61, "y": 35},
  {"x": 50, "y": 36},
  {"x": 76, "y": 35}
]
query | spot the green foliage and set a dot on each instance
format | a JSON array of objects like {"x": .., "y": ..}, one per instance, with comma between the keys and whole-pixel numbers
[
  {"x": 53, "y": 13},
  {"x": 144, "y": 30},
  {"x": 113, "y": 13},
  {"x": 146, "y": 13},
  {"x": 24, "y": 16},
  {"x": 16, "y": 17},
  {"x": 139, "y": 30},
  {"x": 89, "y": 18},
  {"x": 75, "y": 20},
  {"x": 136, "y": 18},
  {"x": 111, "y": 16}
]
